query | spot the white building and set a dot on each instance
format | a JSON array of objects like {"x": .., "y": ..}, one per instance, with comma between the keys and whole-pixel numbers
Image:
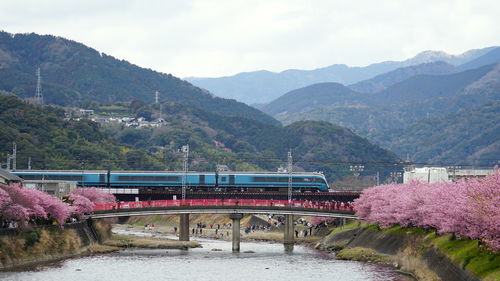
[{"x": 426, "y": 174}]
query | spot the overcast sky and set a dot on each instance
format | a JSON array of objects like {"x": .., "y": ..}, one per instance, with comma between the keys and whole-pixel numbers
[{"x": 217, "y": 38}]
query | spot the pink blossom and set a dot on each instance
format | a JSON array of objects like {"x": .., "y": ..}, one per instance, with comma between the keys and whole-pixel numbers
[
  {"x": 467, "y": 208},
  {"x": 95, "y": 195},
  {"x": 80, "y": 205}
]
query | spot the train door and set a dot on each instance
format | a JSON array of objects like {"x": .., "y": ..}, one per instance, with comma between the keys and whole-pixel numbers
[
  {"x": 232, "y": 181},
  {"x": 102, "y": 181},
  {"x": 201, "y": 181}
]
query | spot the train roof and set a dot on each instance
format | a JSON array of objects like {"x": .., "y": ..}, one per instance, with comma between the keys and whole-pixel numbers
[{"x": 167, "y": 172}]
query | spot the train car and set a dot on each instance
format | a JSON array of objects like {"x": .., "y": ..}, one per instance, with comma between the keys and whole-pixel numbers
[{"x": 197, "y": 181}]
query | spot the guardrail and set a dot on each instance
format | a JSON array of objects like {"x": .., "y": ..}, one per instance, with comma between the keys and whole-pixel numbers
[{"x": 226, "y": 202}]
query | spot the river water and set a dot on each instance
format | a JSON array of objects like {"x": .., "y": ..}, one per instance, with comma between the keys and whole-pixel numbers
[{"x": 256, "y": 261}]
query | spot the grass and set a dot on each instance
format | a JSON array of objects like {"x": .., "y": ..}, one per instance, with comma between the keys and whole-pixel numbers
[
  {"x": 363, "y": 254},
  {"x": 348, "y": 226},
  {"x": 471, "y": 255}
]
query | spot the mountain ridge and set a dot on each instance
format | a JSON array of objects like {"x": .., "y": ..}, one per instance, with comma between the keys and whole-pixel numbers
[
  {"x": 74, "y": 74},
  {"x": 264, "y": 86}
]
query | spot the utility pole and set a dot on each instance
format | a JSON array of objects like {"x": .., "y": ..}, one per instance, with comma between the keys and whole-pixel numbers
[
  {"x": 38, "y": 93},
  {"x": 29, "y": 163},
  {"x": 14, "y": 156},
  {"x": 8, "y": 161},
  {"x": 290, "y": 178},
  {"x": 156, "y": 97},
  {"x": 185, "y": 150}
]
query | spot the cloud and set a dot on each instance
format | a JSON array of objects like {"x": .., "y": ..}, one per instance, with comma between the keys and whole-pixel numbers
[{"x": 223, "y": 37}]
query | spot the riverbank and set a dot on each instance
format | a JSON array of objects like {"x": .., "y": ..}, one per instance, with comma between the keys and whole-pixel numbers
[
  {"x": 28, "y": 247},
  {"x": 421, "y": 253}
]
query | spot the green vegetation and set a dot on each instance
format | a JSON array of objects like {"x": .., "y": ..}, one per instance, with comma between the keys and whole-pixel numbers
[
  {"x": 244, "y": 145},
  {"x": 74, "y": 74},
  {"x": 52, "y": 143},
  {"x": 471, "y": 255},
  {"x": 363, "y": 254}
]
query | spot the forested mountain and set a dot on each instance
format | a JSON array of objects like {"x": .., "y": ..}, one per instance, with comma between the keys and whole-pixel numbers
[
  {"x": 52, "y": 143},
  {"x": 241, "y": 143},
  {"x": 491, "y": 57},
  {"x": 245, "y": 145},
  {"x": 74, "y": 74},
  {"x": 386, "y": 116},
  {"x": 310, "y": 97},
  {"x": 468, "y": 136},
  {"x": 383, "y": 81},
  {"x": 265, "y": 86},
  {"x": 423, "y": 87}
]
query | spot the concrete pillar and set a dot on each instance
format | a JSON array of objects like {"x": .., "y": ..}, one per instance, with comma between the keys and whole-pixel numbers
[
  {"x": 288, "y": 239},
  {"x": 236, "y": 231},
  {"x": 184, "y": 227}
]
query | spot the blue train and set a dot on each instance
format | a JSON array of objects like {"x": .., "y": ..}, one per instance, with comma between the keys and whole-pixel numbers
[{"x": 199, "y": 181}]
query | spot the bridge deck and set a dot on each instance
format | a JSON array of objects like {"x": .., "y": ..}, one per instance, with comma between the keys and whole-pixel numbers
[{"x": 221, "y": 206}]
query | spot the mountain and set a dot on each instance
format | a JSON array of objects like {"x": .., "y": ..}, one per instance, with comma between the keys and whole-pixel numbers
[
  {"x": 422, "y": 87},
  {"x": 384, "y": 117},
  {"x": 43, "y": 135},
  {"x": 467, "y": 136},
  {"x": 492, "y": 57},
  {"x": 241, "y": 143},
  {"x": 311, "y": 97},
  {"x": 74, "y": 74},
  {"x": 264, "y": 86},
  {"x": 383, "y": 81}
]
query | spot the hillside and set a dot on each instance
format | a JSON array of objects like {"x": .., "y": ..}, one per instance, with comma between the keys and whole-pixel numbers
[
  {"x": 491, "y": 57},
  {"x": 467, "y": 136},
  {"x": 74, "y": 74},
  {"x": 52, "y": 143},
  {"x": 316, "y": 145},
  {"x": 383, "y": 81},
  {"x": 382, "y": 116},
  {"x": 310, "y": 97},
  {"x": 244, "y": 145},
  {"x": 265, "y": 86}
]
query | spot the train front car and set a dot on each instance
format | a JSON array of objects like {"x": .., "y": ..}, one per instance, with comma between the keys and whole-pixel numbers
[{"x": 274, "y": 182}]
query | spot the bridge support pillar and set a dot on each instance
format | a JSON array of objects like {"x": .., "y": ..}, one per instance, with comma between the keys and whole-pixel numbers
[
  {"x": 288, "y": 239},
  {"x": 236, "y": 231},
  {"x": 184, "y": 227}
]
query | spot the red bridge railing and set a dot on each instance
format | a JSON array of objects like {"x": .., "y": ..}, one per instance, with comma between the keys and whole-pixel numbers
[{"x": 226, "y": 202}]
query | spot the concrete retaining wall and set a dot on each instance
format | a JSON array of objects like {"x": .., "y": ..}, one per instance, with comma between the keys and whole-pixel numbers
[{"x": 396, "y": 245}]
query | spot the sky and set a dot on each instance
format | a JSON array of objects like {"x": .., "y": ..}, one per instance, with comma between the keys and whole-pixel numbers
[{"x": 209, "y": 38}]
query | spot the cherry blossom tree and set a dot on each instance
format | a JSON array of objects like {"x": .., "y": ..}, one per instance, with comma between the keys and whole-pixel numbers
[
  {"x": 468, "y": 208},
  {"x": 21, "y": 204},
  {"x": 80, "y": 205},
  {"x": 95, "y": 195}
]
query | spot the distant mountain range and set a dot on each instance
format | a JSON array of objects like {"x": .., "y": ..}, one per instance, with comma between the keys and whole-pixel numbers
[
  {"x": 74, "y": 74},
  {"x": 391, "y": 117},
  {"x": 264, "y": 86},
  {"x": 217, "y": 130}
]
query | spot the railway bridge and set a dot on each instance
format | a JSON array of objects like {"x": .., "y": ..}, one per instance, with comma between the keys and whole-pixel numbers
[{"x": 235, "y": 208}]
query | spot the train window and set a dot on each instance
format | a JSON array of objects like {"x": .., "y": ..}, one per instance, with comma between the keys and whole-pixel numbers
[
  {"x": 222, "y": 178},
  {"x": 149, "y": 178},
  {"x": 303, "y": 179},
  {"x": 52, "y": 177}
]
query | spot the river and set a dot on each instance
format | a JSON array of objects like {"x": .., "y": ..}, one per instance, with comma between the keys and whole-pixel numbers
[{"x": 215, "y": 261}]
